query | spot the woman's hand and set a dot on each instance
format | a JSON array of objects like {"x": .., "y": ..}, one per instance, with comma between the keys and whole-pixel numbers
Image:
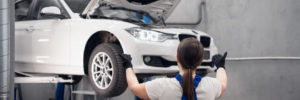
[
  {"x": 133, "y": 84},
  {"x": 219, "y": 60},
  {"x": 126, "y": 60}
]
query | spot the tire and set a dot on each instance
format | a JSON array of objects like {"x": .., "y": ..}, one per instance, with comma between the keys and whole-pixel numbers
[{"x": 110, "y": 80}]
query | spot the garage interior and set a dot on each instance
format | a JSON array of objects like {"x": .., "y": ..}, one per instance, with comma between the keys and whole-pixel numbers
[{"x": 262, "y": 38}]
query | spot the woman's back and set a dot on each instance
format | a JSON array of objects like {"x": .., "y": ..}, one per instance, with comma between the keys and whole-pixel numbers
[
  {"x": 170, "y": 89},
  {"x": 183, "y": 86}
]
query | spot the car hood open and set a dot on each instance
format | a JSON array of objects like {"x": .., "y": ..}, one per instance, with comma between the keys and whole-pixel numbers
[{"x": 158, "y": 10}]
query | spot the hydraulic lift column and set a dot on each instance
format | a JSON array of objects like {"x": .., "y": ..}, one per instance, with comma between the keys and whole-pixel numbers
[{"x": 7, "y": 49}]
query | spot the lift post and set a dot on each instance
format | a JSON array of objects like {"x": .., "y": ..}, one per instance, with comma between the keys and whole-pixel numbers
[{"x": 6, "y": 49}]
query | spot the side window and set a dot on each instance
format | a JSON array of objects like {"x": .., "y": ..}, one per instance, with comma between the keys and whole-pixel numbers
[
  {"x": 49, "y": 9},
  {"x": 22, "y": 9}
]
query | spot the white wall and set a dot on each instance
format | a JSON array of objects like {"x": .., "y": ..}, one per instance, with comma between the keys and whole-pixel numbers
[{"x": 257, "y": 28}]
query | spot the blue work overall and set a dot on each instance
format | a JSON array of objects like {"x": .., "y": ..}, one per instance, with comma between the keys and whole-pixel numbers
[{"x": 197, "y": 80}]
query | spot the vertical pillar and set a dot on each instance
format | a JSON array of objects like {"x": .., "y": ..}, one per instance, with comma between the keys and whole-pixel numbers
[{"x": 6, "y": 49}]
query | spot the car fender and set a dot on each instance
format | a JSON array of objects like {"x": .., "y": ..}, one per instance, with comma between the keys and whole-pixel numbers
[{"x": 83, "y": 29}]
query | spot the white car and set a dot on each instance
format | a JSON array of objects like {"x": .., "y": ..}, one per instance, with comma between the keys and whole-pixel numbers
[{"x": 52, "y": 39}]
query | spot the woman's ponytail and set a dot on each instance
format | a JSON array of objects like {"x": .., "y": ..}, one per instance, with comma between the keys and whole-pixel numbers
[
  {"x": 188, "y": 85},
  {"x": 189, "y": 55}
]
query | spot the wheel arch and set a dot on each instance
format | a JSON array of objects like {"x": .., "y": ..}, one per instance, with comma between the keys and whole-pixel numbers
[{"x": 95, "y": 39}]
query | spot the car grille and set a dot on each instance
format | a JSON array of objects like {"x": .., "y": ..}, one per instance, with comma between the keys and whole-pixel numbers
[
  {"x": 206, "y": 55},
  {"x": 205, "y": 40},
  {"x": 183, "y": 36}
]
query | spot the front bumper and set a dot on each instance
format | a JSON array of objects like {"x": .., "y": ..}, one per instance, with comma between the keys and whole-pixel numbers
[{"x": 166, "y": 50}]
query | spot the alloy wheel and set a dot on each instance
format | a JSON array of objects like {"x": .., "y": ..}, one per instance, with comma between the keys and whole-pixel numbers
[{"x": 102, "y": 70}]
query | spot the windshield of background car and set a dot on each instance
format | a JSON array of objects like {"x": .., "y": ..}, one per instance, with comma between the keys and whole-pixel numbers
[
  {"x": 77, "y": 6},
  {"x": 121, "y": 14},
  {"x": 37, "y": 13},
  {"x": 22, "y": 9}
]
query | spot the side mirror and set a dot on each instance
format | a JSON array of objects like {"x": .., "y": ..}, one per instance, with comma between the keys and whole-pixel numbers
[{"x": 52, "y": 10}]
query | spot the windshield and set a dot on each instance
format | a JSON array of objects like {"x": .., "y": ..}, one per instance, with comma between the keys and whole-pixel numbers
[
  {"x": 121, "y": 14},
  {"x": 77, "y": 6}
]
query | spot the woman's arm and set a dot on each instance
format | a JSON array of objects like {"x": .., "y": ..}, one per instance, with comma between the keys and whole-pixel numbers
[
  {"x": 219, "y": 61},
  {"x": 133, "y": 84},
  {"x": 222, "y": 77},
  {"x": 135, "y": 87}
]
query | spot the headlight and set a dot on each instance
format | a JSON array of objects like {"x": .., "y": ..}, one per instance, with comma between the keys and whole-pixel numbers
[{"x": 149, "y": 35}]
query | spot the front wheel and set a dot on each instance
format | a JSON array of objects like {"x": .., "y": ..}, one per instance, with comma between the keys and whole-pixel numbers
[{"x": 106, "y": 72}]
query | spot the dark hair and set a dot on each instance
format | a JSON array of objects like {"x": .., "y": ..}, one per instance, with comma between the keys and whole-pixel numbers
[{"x": 190, "y": 55}]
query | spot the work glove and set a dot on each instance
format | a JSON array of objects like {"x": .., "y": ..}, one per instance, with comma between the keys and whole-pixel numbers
[
  {"x": 126, "y": 60},
  {"x": 219, "y": 61}
]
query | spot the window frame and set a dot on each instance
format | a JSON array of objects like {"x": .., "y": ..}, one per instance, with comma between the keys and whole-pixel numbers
[
  {"x": 35, "y": 5},
  {"x": 28, "y": 17}
]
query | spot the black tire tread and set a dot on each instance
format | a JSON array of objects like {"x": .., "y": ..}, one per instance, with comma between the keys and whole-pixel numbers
[
  {"x": 116, "y": 49},
  {"x": 120, "y": 79}
]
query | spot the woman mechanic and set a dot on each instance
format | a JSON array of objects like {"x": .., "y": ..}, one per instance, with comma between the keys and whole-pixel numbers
[{"x": 187, "y": 85}]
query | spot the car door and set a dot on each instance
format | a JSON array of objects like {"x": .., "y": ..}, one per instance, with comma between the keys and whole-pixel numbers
[
  {"x": 23, "y": 31},
  {"x": 50, "y": 38}
]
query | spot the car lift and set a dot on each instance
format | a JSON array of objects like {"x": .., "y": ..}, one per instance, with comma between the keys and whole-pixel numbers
[
  {"x": 21, "y": 78},
  {"x": 29, "y": 78}
]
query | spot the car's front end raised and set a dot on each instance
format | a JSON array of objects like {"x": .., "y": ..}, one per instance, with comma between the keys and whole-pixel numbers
[
  {"x": 154, "y": 49},
  {"x": 110, "y": 28},
  {"x": 150, "y": 42}
]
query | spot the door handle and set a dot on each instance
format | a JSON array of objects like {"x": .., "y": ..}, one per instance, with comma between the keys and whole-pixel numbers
[{"x": 30, "y": 29}]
